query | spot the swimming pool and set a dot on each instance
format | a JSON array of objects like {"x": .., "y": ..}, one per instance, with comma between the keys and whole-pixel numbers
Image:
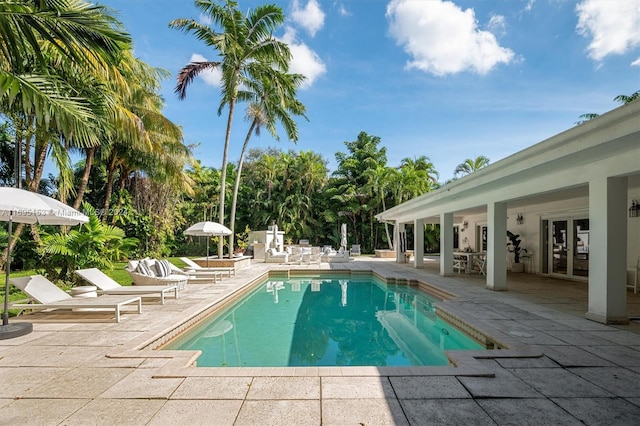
[{"x": 330, "y": 321}]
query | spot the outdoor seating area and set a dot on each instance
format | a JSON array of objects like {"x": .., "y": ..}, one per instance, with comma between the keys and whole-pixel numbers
[
  {"x": 332, "y": 256},
  {"x": 273, "y": 255},
  {"x": 156, "y": 273},
  {"x": 469, "y": 262},
  {"x": 304, "y": 255},
  {"x": 107, "y": 285},
  {"x": 51, "y": 297}
]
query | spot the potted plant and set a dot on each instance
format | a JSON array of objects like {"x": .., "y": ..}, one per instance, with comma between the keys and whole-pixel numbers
[
  {"x": 515, "y": 244},
  {"x": 242, "y": 241}
]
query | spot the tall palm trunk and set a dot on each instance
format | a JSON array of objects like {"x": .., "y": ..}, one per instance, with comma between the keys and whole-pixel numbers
[
  {"x": 223, "y": 177},
  {"x": 236, "y": 187},
  {"x": 85, "y": 177},
  {"x": 111, "y": 173},
  {"x": 386, "y": 226},
  {"x": 33, "y": 175}
]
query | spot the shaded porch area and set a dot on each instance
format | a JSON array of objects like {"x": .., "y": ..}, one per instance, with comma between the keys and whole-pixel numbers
[{"x": 570, "y": 296}]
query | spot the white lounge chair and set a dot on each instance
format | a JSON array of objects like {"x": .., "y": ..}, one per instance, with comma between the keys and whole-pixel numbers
[
  {"x": 107, "y": 285},
  {"x": 355, "y": 250},
  {"x": 193, "y": 268},
  {"x": 50, "y": 296}
]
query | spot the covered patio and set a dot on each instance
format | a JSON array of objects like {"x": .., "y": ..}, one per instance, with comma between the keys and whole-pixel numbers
[{"x": 568, "y": 200}]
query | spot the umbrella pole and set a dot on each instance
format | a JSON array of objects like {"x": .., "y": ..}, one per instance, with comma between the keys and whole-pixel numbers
[
  {"x": 7, "y": 268},
  {"x": 208, "y": 237},
  {"x": 10, "y": 331}
]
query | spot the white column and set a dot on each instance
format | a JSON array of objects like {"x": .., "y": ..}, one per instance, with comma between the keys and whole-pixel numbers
[
  {"x": 497, "y": 246},
  {"x": 608, "y": 250},
  {"x": 446, "y": 244},
  {"x": 396, "y": 237},
  {"x": 418, "y": 244}
]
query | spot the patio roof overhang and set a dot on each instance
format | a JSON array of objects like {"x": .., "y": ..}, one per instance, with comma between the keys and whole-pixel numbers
[{"x": 558, "y": 168}]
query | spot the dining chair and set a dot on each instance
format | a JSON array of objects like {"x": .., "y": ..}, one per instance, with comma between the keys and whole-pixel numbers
[
  {"x": 460, "y": 264},
  {"x": 481, "y": 263}
]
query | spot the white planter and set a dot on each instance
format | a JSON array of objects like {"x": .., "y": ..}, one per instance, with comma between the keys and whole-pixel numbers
[{"x": 84, "y": 291}]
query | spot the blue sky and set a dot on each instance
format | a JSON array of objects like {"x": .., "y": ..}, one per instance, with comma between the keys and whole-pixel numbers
[{"x": 449, "y": 80}]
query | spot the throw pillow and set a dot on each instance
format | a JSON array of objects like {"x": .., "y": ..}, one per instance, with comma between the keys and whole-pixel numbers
[
  {"x": 169, "y": 266},
  {"x": 163, "y": 267},
  {"x": 144, "y": 269},
  {"x": 161, "y": 271},
  {"x": 132, "y": 265}
]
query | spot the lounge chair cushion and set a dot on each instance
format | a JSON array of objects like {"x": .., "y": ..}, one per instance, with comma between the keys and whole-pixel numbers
[{"x": 132, "y": 265}]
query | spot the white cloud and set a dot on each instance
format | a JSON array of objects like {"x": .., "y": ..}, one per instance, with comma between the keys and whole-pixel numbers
[
  {"x": 444, "y": 39},
  {"x": 342, "y": 10},
  {"x": 613, "y": 26},
  {"x": 497, "y": 24},
  {"x": 204, "y": 19},
  {"x": 310, "y": 17},
  {"x": 636, "y": 63},
  {"x": 529, "y": 5},
  {"x": 303, "y": 60},
  {"x": 210, "y": 77}
]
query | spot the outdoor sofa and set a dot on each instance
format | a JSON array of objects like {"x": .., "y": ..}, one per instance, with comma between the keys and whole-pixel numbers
[{"x": 156, "y": 272}]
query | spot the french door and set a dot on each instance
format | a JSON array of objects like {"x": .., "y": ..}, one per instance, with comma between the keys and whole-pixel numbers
[{"x": 566, "y": 246}]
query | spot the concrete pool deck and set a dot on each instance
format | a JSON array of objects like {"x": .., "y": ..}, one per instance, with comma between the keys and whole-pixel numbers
[{"x": 559, "y": 369}]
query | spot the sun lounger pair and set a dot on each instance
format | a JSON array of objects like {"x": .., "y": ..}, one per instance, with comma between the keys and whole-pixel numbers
[
  {"x": 107, "y": 285},
  {"x": 52, "y": 297},
  {"x": 193, "y": 268}
]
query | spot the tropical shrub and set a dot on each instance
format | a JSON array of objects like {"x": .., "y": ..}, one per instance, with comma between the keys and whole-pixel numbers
[{"x": 94, "y": 245}]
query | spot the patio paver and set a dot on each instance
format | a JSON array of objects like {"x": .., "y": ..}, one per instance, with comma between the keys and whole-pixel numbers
[{"x": 561, "y": 368}]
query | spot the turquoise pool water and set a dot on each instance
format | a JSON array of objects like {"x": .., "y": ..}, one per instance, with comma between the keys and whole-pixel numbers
[{"x": 336, "y": 321}]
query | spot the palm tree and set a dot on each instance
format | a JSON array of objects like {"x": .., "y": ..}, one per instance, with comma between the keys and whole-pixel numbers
[
  {"x": 379, "y": 180},
  {"x": 139, "y": 137},
  {"x": 274, "y": 102},
  {"x": 246, "y": 46},
  {"x": 423, "y": 167},
  {"x": 471, "y": 165},
  {"x": 623, "y": 99},
  {"x": 37, "y": 36},
  {"x": 45, "y": 43}
]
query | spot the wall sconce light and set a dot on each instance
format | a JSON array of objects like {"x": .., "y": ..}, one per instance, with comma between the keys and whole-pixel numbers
[
  {"x": 465, "y": 225},
  {"x": 634, "y": 210},
  {"x": 519, "y": 219}
]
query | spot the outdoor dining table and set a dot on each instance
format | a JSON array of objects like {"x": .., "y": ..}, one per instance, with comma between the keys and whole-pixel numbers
[{"x": 470, "y": 258}]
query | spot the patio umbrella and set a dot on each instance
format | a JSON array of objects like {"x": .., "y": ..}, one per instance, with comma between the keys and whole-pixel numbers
[
  {"x": 208, "y": 229},
  {"x": 343, "y": 236},
  {"x": 18, "y": 205}
]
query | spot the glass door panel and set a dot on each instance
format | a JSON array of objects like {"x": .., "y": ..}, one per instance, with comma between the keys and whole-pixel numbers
[
  {"x": 559, "y": 237},
  {"x": 581, "y": 247}
]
